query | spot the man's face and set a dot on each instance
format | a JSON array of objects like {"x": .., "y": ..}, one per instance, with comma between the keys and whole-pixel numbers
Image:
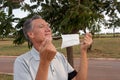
[{"x": 40, "y": 31}]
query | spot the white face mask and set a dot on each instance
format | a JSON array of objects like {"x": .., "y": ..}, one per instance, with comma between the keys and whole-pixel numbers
[{"x": 70, "y": 40}]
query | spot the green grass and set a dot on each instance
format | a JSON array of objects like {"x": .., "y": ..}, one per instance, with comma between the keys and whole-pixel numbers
[
  {"x": 102, "y": 47},
  {"x": 106, "y": 47},
  {"x": 6, "y": 77},
  {"x": 8, "y": 48}
]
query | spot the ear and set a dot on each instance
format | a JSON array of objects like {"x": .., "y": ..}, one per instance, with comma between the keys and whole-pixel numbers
[{"x": 30, "y": 34}]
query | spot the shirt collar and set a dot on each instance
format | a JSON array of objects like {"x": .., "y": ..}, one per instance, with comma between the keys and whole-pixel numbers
[{"x": 36, "y": 55}]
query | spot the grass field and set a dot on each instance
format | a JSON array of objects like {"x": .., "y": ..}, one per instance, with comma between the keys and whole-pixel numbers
[
  {"x": 106, "y": 47},
  {"x": 102, "y": 47},
  {"x": 6, "y": 77}
]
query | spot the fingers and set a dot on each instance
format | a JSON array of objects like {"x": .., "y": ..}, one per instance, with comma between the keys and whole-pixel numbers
[
  {"x": 43, "y": 45},
  {"x": 89, "y": 35},
  {"x": 47, "y": 50},
  {"x": 46, "y": 44},
  {"x": 87, "y": 39}
]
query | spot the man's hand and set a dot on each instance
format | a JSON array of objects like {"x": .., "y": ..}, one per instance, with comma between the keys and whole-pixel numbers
[
  {"x": 47, "y": 51},
  {"x": 86, "y": 42}
]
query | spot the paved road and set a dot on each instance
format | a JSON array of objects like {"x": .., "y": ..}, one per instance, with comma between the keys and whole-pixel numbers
[
  {"x": 104, "y": 70},
  {"x": 6, "y": 64},
  {"x": 99, "y": 69}
]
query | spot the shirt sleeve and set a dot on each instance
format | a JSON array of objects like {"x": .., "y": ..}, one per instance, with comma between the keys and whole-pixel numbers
[
  {"x": 21, "y": 71},
  {"x": 71, "y": 71},
  {"x": 66, "y": 64}
]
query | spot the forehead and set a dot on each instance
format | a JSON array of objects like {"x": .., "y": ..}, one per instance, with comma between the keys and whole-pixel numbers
[{"x": 38, "y": 21}]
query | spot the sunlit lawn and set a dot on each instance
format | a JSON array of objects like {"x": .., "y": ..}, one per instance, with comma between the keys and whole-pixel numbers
[
  {"x": 106, "y": 47},
  {"x": 102, "y": 47},
  {"x": 8, "y": 48},
  {"x": 6, "y": 77}
]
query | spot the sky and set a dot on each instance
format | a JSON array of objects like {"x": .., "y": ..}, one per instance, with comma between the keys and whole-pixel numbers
[{"x": 20, "y": 14}]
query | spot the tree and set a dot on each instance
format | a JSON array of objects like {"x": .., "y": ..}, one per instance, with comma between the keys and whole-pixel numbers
[
  {"x": 113, "y": 23},
  {"x": 5, "y": 24},
  {"x": 7, "y": 17},
  {"x": 113, "y": 8}
]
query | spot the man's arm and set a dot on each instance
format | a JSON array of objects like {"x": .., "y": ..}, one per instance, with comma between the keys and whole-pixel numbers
[
  {"x": 82, "y": 73},
  {"x": 83, "y": 67},
  {"x": 42, "y": 73}
]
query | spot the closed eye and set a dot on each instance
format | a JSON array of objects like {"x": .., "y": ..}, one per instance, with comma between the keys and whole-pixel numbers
[
  {"x": 44, "y": 26},
  {"x": 41, "y": 26}
]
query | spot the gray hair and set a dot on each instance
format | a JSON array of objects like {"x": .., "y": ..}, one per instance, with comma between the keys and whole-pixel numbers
[{"x": 27, "y": 26}]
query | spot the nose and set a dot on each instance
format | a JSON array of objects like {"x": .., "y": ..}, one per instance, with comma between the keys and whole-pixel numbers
[{"x": 48, "y": 27}]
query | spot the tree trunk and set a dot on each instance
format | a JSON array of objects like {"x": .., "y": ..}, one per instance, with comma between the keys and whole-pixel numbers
[
  {"x": 89, "y": 48},
  {"x": 114, "y": 32},
  {"x": 70, "y": 55}
]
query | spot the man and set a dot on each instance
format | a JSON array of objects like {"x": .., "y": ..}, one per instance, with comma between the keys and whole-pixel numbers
[{"x": 43, "y": 62}]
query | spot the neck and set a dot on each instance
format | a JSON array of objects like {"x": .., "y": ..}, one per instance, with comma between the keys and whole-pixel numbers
[{"x": 37, "y": 46}]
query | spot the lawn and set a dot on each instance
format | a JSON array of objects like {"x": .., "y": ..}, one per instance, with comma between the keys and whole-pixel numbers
[
  {"x": 6, "y": 77},
  {"x": 106, "y": 47},
  {"x": 102, "y": 47}
]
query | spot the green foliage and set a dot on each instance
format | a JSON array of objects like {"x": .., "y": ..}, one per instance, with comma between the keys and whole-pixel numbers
[
  {"x": 6, "y": 17},
  {"x": 5, "y": 24},
  {"x": 19, "y": 38},
  {"x": 10, "y": 5},
  {"x": 112, "y": 9},
  {"x": 71, "y": 16}
]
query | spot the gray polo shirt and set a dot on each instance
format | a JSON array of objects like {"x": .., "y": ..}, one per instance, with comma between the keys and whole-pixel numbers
[{"x": 26, "y": 66}]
